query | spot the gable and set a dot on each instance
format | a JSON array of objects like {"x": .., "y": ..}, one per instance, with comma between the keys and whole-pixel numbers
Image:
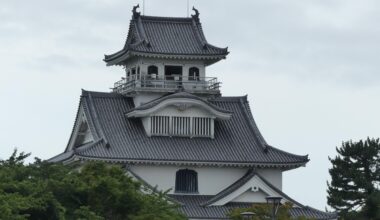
[
  {"x": 179, "y": 114},
  {"x": 250, "y": 188},
  {"x": 252, "y": 196},
  {"x": 182, "y": 104},
  {"x": 81, "y": 133}
]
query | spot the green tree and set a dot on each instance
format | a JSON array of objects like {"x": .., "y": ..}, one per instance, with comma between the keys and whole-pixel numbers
[
  {"x": 355, "y": 180},
  {"x": 95, "y": 190},
  {"x": 263, "y": 211}
]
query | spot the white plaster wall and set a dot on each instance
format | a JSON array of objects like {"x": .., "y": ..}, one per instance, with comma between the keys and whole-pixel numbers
[
  {"x": 160, "y": 63},
  {"x": 249, "y": 196},
  {"x": 145, "y": 97},
  {"x": 190, "y": 112},
  {"x": 87, "y": 136},
  {"x": 146, "y": 124},
  {"x": 274, "y": 176},
  {"x": 211, "y": 180}
]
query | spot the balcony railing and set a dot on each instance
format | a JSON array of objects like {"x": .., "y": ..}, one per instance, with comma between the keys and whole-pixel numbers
[{"x": 167, "y": 84}]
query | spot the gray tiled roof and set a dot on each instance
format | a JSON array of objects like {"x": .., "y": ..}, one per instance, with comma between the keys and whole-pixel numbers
[
  {"x": 192, "y": 208},
  {"x": 166, "y": 36},
  {"x": 237, "y": 141}
]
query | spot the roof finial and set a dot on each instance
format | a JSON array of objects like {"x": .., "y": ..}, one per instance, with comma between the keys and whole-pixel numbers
[
  {"x": 134, "y": 10},
  {"x": 196, "y": 16}
]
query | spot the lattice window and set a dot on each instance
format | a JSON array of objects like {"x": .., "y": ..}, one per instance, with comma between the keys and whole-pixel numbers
[
  {"x": 186, "y": 181},
  {"x": 160, "y": 125},
  {"x": 181, "y": 126},
  {"x": 202, "y": 126}
]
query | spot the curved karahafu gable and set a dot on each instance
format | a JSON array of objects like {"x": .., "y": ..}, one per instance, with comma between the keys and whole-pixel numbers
[{"x": 181, "y": 101}]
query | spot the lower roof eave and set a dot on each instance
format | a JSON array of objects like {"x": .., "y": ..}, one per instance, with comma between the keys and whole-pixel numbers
[{"x": 285, "y": 166}]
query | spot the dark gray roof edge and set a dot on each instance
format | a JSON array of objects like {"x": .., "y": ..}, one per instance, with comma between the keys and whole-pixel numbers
[
  {"x": 61, "y": 157},
  {"x": 75, "y": 123},
  {"x": 74, "y": 152},
  {"x": 86, "y": 93},
  {"x": 252, "y": 124},
  {"x": 304, "y": 158},
  {"x": 88, "y": 146}
]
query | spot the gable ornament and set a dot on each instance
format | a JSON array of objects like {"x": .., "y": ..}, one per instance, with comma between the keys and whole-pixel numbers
[{"x": 182, "y": 106}]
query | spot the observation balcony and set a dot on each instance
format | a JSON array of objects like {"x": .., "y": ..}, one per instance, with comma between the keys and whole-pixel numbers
[{"x": 172, "y": 83}]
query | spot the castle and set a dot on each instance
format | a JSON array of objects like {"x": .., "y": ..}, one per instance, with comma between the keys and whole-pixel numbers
[{"x": 167, "y": 122}]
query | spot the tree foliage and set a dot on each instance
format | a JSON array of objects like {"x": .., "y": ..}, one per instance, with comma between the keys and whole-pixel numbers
[
  {"x": 95, "y": 191},
  {"x": 263, "y": 211},
  {"x": 354, "y": 190}
]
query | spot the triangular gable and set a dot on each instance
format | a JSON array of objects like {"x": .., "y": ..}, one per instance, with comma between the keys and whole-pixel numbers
[
  {"x": 81, "y": 133},
  {"x": 250, "y": 188}
]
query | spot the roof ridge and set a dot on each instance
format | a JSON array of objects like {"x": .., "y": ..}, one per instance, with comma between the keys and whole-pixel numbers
[
  {"x": 165, "y": 18},
  {"x": 252, "y": 124},
  {"x": 75, "y": 122},
  {"x": 95, "y": 115},
  {"x": 201, "y": 37},
  {"x": 97, "y": 94},
  {"x": 141, "y": 31},
  {"x": 234, "y": 98},
  {"x": 87, "y": 146}
]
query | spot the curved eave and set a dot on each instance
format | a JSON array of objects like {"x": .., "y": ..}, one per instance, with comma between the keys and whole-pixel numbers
[
  {"x": 191, "y": 163},
  {"x": 301, "y": 158},
  {"x": 119, "y": 57}
]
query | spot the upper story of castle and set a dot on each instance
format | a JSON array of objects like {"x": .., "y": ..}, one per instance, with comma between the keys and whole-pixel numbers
[{"x": 164, "y": 55}]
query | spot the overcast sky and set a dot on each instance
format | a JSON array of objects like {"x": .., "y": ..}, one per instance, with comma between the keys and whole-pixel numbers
[{"x": 310, "y": 69}]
